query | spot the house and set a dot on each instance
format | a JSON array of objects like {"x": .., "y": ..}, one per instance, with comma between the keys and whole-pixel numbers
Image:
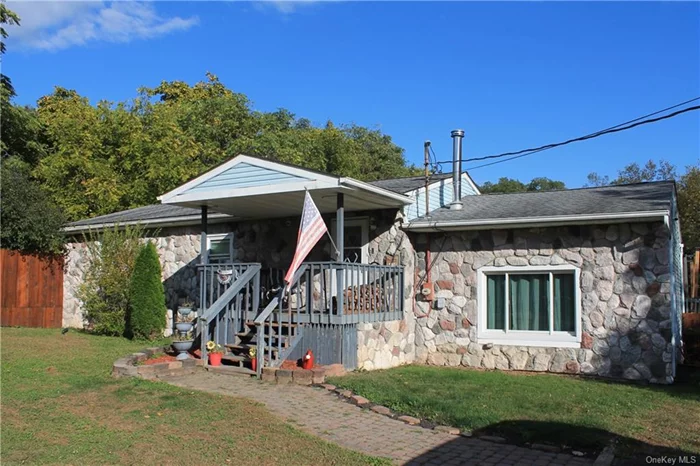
[{"x": 576, "y": 281}]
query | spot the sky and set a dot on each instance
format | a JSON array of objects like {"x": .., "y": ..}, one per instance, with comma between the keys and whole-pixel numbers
[{"x": 512, "y": 75}]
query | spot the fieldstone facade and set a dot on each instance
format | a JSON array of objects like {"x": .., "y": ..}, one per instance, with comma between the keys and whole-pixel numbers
[
  {"x": 381, "y": 345},
  {"x": 625, "y": 299},
  {"x": 272, "y": 243}
]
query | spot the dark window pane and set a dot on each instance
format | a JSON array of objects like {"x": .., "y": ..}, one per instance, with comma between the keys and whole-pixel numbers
[
  {"x": 564, "y": 303},
  {"x": 496, "y": 302},
  {"x": 529, "y": 302}
]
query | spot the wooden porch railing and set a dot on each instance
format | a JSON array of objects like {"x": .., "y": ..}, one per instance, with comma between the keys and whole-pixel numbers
[
  {"x": 225, "y": 307},
  {"x": 320, "y": 293}
]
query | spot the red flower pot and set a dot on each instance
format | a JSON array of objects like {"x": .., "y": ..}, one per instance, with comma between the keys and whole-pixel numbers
[
  {"x": 214, "y": 359},
  {"x": 254, "y": 363}
]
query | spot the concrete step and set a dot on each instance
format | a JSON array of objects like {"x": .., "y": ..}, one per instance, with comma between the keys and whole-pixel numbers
[{"x": 230, "y": 370}]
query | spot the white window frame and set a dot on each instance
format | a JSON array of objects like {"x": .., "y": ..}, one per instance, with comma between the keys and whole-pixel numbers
[
  {"x": 532, "y": 337},
  {"x": 219, "y": 237},
  {"x": 362, "y": 222}
]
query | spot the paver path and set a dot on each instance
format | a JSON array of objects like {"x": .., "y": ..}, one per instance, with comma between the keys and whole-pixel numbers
[{"x": 321, "y": 413}]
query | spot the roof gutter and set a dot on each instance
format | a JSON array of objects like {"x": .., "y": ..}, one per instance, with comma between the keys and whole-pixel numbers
[
  {"x": 525, "y": 222},
  {"x": 161, "y": 222}
]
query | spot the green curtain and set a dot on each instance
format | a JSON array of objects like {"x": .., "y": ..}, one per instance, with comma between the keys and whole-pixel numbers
[
  {"x": 564, "y": 305},
  {"x": 496, "y": 298},
  {"x": 529, "y": 302}
]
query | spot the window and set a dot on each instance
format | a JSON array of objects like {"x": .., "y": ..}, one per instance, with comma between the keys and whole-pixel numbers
[
  {"x": 220, "y": 248},
  {"x": 355, "y": 236},
  {"x": 535, "y": 306}
]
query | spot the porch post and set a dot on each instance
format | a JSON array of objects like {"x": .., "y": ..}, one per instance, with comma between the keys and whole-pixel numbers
[
  {"x": 203, "y": 247},
  {"x": 340, "y": 240},
  {"x": 204, "y": 259},
  {"x": 340, "y": 227}
]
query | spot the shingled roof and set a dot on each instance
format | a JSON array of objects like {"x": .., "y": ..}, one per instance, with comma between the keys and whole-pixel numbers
[
  {"x": 551, "y": 206},
  {"x": 150, "y": 214},
  {"x": 405, "y": 185}
]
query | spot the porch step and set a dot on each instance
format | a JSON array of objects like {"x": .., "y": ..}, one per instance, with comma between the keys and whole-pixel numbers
[
  {"x": 230, "y": 370},
  {"x": 251, "y": 323},
  {"x": 245, "y": 348}
]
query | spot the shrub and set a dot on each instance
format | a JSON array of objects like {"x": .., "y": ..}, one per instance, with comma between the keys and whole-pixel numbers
[
  {"x": 146, "y": 317},
  {"x": 105, "y": 290}
]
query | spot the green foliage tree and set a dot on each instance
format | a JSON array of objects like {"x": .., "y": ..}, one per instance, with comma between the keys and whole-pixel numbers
[
  {"x": 688, "y": 187},
  {"x": 31, "y": 223},
  {"x": 634, "y": 173},
  {"x": 510, "y": 185},
  {"x": 114, "y": 156},
  {"x": 146, "y": 317},
  {"x": 7, "y": 16},
  {"x": 111, "y": 257},
  {"x": 689, "y": 207}
]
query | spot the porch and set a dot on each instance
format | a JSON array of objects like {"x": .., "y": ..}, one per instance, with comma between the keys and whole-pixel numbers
[{"x": 245, "y": 306}]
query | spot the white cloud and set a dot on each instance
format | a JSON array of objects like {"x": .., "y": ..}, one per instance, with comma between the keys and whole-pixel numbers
[
  {"x": 59, "y": 25},
  {"x": 287, "y": 6}
]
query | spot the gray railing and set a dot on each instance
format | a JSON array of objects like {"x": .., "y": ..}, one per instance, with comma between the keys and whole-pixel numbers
[
  {"x": 346, "y": 293},
  {"x": 225, "y": 307}
]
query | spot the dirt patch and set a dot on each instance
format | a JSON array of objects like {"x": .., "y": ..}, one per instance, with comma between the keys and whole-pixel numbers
[{"x": 159, "y": 359}]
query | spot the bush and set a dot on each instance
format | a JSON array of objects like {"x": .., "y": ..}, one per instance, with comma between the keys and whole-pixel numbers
[
  {"x": 105, "y": 290},
  {"x": 146, "y": 318}
]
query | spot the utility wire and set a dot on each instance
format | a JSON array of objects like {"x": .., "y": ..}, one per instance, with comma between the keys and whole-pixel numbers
[{"x": 613, "y": 129}]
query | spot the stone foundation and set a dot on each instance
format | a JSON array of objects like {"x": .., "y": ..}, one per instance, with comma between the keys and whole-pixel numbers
[{"x": 624, "y": 289}]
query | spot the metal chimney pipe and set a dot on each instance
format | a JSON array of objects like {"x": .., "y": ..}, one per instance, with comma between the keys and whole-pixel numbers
[{"x": 457, "y": 136}]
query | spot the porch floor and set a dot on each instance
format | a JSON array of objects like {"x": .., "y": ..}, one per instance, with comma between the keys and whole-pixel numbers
[{"x": 322, "y": 414}]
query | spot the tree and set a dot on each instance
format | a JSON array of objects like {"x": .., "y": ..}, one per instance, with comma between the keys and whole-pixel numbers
[
  {"x": 146, "y": 317},
  {"x": 689, "y": 207},
  {"x": 510, "y": 185},
  {"x": 114, "y": 156},
  {"x": 633, "y": 173},
  {"x": 545, "y": 184},
  {"x": 31, "y": 223},
  {"x": 687, "y": 186},
  {"x": 7, "y": 16},
  {"x": 504, "y": 185}
]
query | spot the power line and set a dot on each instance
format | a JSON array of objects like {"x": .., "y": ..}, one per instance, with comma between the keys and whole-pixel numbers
[{"x": 613, "y": 129}]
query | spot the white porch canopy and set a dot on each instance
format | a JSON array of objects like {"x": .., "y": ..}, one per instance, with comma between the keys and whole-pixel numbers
[{"x": 250, "y": 187}]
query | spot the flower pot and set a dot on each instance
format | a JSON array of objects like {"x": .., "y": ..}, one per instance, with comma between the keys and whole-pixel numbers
[
  {"x": 254, "y": 363},
  {"x": 215, "y": 359},
  {"x": 183, "y": 347},
  {"x": 184, "y": 327}
]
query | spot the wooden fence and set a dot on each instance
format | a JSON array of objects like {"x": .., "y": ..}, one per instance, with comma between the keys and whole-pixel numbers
[
  {"x": 31, "y": 290},
  {"x": 692, "y": 282}
]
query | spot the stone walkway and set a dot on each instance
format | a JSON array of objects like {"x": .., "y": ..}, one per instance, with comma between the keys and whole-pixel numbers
[{"x": 321, "y": 413}]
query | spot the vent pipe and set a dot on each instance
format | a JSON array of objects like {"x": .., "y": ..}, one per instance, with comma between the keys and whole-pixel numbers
[{"x": 457, "y": 136}]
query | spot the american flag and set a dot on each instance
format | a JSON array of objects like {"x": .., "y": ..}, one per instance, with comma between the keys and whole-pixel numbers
[{"x": 311, "y": 229}]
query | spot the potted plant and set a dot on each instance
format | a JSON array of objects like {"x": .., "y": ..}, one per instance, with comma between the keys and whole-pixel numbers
[
  {"x": 252, "y": 352},
  {"x": 186, "y": 307},
  {"x": 215, "y": 352},
  {"x": 185, "y": 323},
  {"x": 182, "y": 342}
]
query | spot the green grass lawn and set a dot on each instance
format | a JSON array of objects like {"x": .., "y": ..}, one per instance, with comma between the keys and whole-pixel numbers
[
  {"x": 61, "y": 406},
  {"x": 543, "y": 408}
]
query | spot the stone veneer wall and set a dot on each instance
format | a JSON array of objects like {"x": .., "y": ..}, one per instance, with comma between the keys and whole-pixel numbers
[
  {"x": 272, "y": 243},
  {"x": 625, "y": 293},
  {"x": 381, "y": 345},
  {"x": 179, "y": 250}
]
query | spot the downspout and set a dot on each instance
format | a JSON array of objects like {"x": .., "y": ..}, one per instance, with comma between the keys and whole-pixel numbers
[{"x": 417, "y": 284}]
